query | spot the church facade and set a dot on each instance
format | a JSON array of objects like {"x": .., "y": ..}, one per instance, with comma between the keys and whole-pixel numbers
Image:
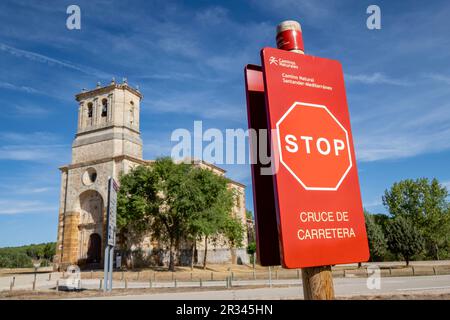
[{"x": 108, "y": 144}]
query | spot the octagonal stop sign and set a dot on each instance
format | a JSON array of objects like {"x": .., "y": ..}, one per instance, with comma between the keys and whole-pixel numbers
[
  {"x": 313, "y": 146},
  {"x": 316, "y": 193}
]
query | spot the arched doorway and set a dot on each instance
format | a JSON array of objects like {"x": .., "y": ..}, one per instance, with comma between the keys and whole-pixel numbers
[
  {"x": 91, "y": 227},
  {"x": 94, "y": 253}
]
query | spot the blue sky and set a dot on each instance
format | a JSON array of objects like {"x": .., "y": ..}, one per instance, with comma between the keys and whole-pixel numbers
[{"x": 188, "y": 59}]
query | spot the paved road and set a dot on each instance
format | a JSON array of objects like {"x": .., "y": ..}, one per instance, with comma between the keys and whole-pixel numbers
[
  {"x": 343, "y": 287},
  {"x": 292, "y": 289}
]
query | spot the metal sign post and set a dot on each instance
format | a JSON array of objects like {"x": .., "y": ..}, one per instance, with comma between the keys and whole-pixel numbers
[{"x": 113, "y": 188}]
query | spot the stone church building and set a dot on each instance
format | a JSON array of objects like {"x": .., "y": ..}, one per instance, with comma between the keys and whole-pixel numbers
[{"x": 108, "y": 144}]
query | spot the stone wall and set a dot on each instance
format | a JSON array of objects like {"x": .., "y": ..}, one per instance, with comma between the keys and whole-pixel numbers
[
  {"x": 70, "y": 239},
  {"x": 158, "y": 257}
]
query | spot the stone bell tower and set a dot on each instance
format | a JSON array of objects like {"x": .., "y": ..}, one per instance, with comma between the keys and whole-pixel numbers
[{"x": 106, "y": 144}]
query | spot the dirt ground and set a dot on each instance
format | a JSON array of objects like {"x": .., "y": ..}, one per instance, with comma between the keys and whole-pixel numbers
[
  {"x": 52, "y": 295},
  {"x": 404, "y": 296}
]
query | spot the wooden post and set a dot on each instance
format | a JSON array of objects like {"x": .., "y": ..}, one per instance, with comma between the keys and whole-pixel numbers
[
  {"x": 270, "y": 277},
  {"x": 318, "y": 283}
]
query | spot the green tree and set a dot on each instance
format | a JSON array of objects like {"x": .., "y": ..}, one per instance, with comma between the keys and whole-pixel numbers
[
  {"x": 49, "y": 250},
  {"x": 176, "y": 202},
  {"x": 14, "y": 259},
  {"x": 209, "y": 209},
  {"x": 404, "y": 238},
  {"x": 33, "y": 251},
  {"x": 137, "y": 203},
  {"x": 425, "y": 203},
  {"x": 21, "y": 257},
  {"x": 376, "y": 238},
  {"x": 251, "y": 250},
  {"x": 382, "y": 220},
  {"x": 233, "y": 230},
  {"x": 179, "y": 196}
]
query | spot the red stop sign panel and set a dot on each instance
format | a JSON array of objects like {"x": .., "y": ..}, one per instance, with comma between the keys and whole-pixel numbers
[
  {"x": 316, "y": 188},
  {"x": 314, "y": 146}
]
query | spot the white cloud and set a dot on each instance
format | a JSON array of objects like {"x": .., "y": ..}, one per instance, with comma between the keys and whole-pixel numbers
[
  {"x": 389, "y": 144},
  {"x": 372, "y": 204},
  {"x": 401, "y": 123},
  {"x": 38, "y": 153},
  {"x": 30, "y": 111},
  {"x": 32, "y": 56},
  {"x": 157, "y": 148},
  {"x": 212, "y": 16},
  {"x": 303, "y": 9},
  {"x": 206, "y": 105},
  {"x": 12, "y": 207},
  {"x": 439, "y": 77},
  {"x": 376, "y": 78},
  {"x": 22, "y": 137},
  {"x": 10, "y": 86},
  {"x": 25, "y": 189}
]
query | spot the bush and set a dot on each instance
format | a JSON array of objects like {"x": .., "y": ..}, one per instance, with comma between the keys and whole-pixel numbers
[
  {"x": 15, "y": 260},
  {"x": 251, "y": 248},
  {"x": 404, "y": 238},
  {"x": 22, "y": 257},
  {"x": 375, "y": 236}
]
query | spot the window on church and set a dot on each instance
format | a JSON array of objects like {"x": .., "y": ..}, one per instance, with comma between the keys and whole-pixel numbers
[
  {"x": 104, "y": 108},
  {"x": 90, "y": 110},
  {"x": 132, "y": 112}
]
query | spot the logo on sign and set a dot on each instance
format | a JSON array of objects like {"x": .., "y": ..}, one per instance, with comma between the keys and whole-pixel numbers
[
  {"x": 283, "y": 62},
  {"x": 314, "y": 146},
  {"x": 273, "y": 60}
]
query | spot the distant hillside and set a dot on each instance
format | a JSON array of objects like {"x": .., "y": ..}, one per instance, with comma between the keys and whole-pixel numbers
[{"x": 23, "y": 256}]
